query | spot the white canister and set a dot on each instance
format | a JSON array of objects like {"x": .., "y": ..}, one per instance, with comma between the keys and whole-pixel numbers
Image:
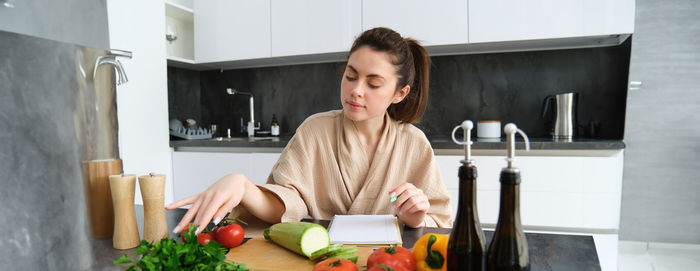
[{"x": 488, "y": 129}]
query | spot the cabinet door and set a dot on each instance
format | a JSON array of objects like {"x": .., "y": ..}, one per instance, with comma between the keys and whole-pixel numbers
[
  {"x": 231, "y": 30},
  {"x": 193, "y": 172},
  {"x": 260, "y": 166},
  {"x": 430, "y": 22},
  {"x": 556, "y": 191},
  {"x": 314, "y": 26},
  {"x": 508, "y": 20}
]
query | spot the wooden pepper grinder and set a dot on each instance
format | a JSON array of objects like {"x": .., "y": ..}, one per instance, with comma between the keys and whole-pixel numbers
[
  {"x": 126, "y": 232},
  {"x": 155, "y": 227},
  {"x": 98, "y": 196}
]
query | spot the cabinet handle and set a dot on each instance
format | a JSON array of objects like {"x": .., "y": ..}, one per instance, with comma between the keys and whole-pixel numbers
[
  {"x": 8, "y": 3},
  {"x": 635, "y": 85}
]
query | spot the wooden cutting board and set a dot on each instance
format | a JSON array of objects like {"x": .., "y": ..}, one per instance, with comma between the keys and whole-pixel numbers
[{"x": 259, "y": 254}]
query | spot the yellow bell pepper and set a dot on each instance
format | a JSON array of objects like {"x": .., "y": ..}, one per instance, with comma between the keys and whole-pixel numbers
[{"x": 430, "y": 252}]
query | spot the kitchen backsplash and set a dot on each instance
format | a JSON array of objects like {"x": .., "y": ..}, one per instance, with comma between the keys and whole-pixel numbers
[{"x": 509, "y": 87}]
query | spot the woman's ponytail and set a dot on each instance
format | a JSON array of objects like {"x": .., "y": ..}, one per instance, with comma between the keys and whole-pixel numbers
[{"x": 413, "y": 106}]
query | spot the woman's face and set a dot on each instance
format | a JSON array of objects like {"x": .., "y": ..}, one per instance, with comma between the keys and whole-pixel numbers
[{"x": 369, "y": 85}]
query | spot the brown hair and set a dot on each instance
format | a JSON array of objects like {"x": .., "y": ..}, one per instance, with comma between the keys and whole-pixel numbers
[{"x": 413, "y": 68}]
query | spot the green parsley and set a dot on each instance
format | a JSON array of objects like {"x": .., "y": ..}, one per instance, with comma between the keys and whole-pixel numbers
[{"x": 167, "y": 254}]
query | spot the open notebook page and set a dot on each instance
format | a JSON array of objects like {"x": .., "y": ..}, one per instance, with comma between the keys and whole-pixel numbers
[{"x": 365, "y": 229}]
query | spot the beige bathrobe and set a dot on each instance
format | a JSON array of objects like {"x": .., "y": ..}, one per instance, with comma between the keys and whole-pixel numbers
[{"x": 324, "y": 171}]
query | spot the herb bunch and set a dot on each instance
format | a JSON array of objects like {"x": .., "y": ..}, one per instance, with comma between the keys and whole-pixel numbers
[{"x": 167, "y": 254}]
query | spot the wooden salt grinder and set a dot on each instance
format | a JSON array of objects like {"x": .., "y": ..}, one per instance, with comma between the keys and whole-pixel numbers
[
  {"x": 126, "y": 232},
  {"x": 155, "y": 227}
]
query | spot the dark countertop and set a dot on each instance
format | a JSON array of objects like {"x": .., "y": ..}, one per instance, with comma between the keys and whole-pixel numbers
[
  {"x": 438, "y": 143},
  {"x": 547, "y": 251}
]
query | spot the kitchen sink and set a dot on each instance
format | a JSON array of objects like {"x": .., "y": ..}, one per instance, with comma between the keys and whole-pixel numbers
[{"x": 249, "y": 139}]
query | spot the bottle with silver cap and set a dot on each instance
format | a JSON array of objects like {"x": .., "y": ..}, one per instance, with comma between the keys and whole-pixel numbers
[
  {"x": 465, "y": 248},
  {"x": 508, "y": 249}
]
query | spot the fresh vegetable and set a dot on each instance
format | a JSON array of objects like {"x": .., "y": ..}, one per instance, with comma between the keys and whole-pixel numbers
[
  {"x": 380, "y": 267},
  {"x": 395, "y": 257},
  {"x": 229, "y": 233},
  {"x": 324, "y": 252},
  {"x": 205, "y": 237},
  {"x": 167, "y": 254},
  {"x": 334, "y": 264},
  {"x": 182, "y": 232},
  {"x": 430, "y": 252},
  {"x": 335, "y": 251},
  {"x": 304, "y": 238}
]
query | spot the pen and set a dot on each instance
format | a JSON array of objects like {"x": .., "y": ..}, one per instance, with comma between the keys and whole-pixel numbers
[{"x": 394, "y": 198}]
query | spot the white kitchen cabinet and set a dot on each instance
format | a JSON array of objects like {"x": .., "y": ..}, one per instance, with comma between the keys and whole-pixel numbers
[
  {"x": 556, "y": 191},
  {"x": 513, "y": 20},
  {"x": 228, "y": 30},
  {"x": 430, "y": 22},
  {"x": 302, "y": 27},
  {"x": 195, "y": 171},
  {"x": 179, "y": 26}
]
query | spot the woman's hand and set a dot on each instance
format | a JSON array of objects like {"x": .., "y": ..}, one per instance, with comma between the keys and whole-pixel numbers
[
  {"x": 412, "y": 204},
  {"x": 215, "y": 202}
]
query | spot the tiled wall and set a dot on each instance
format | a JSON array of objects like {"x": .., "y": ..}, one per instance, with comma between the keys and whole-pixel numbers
[{"x": 509, "y": 87}]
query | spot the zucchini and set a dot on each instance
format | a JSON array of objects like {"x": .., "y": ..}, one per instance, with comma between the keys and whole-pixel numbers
[
  {"x": 335, "y": 251},
  {"x": 303, "y": 238}
]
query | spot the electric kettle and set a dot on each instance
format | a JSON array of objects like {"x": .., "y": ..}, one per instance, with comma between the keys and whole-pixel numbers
[{"x": 564, "y": 114}]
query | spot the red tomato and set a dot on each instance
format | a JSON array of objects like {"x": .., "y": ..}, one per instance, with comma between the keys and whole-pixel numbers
[
  {"x": 205, "y": 237},
  {"x": 229, "y": 236},
  {"x": 380, "y": 267},
  {"x": 397, "y": 258},
  {"x": 335, "y": 265}
]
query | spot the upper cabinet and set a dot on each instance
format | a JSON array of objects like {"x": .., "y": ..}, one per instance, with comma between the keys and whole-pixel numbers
[
  {"x": 513, "y": 20},
  {"x": 238, "y": 33},
  {"x": 228, "y": 30},
  {"x": 303, "y": 27},
  {"x": 430, "y": 22},
  {"x": 179, "y": 32}
]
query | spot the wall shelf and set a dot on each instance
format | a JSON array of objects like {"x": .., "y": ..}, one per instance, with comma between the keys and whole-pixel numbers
[
  {"x": 179, "y": 21},
  {"x": 179, "y": 12}
]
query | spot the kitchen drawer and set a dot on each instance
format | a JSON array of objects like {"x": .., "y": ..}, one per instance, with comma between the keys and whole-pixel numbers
[{"x": 196, "y": 171}]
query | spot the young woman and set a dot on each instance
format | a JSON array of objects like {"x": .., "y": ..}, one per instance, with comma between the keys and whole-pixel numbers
[{"x": 350, "y": 161}]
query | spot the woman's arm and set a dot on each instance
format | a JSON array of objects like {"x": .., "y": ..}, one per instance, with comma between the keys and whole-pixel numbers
[{"x": 227, "y": 193}]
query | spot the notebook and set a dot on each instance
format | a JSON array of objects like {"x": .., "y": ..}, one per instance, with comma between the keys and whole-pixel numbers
[{"x": 365, "y": 230}]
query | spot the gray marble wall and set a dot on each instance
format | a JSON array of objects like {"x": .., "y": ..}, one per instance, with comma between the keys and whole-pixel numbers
[
  {"x": 82, "y": 22},
  {"x": 660, "y": 192},
  {"x": 41, "y": 191},
  {"x": 503, "y": 86}
]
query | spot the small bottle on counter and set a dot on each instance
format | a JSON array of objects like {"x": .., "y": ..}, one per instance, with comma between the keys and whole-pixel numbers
[
  {"x": 508, "y": 249},
  {"x": 274, "y": 126},
  {"x": 466, "y": 249}
]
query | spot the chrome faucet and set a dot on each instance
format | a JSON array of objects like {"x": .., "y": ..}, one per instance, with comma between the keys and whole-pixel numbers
[
  {"x": 251, "y": 124},
  {"x": 111, "y": 59}
]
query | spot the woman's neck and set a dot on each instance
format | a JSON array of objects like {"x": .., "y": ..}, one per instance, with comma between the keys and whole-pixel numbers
[{"x": 369, "y": 130}]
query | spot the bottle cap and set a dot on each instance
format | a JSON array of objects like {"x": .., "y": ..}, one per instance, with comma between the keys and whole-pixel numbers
[
  {"x": 510, "y": 129},
  {"x": 467, "y": 126}
]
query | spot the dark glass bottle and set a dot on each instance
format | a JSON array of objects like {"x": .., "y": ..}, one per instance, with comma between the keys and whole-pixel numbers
[
  {"x": 508, "y": 249},
  {"x": 274, "y": 126},
  {"x": 465, "y": 249}
]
